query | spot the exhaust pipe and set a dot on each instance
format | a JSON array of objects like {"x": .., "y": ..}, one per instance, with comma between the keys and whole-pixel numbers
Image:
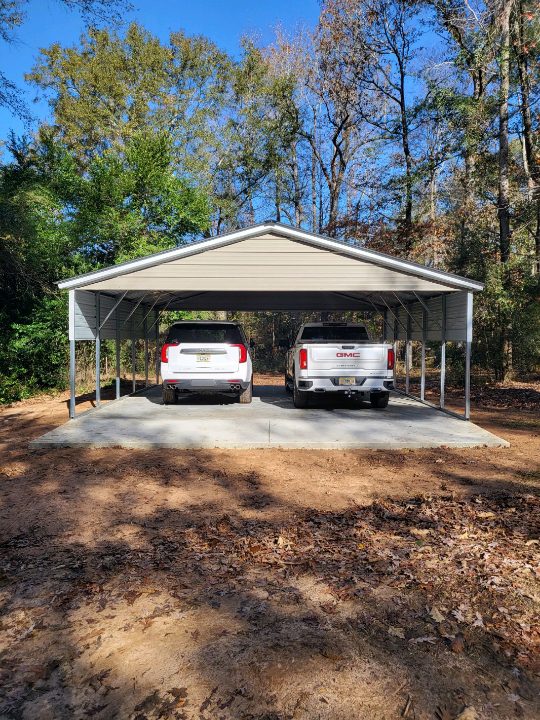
[{"x": 235, "y": 386}]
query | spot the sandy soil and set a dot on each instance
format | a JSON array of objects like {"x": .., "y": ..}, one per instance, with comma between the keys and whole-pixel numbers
[{"x": 269, "y": 584}]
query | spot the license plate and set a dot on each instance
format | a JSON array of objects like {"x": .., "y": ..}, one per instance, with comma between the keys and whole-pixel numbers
[
  {"x": 347, "y": 381},
  {"x": 203, "y": 358}
]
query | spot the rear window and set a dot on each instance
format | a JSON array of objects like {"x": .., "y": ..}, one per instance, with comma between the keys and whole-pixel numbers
[
  {"x": 208, "y": 333},
  {"x": 334, "y": 333}
]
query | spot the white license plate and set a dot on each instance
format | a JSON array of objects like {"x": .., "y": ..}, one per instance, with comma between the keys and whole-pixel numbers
[
  {"x": 347, "y": 381},
  {"x": 203, "y": 358}
]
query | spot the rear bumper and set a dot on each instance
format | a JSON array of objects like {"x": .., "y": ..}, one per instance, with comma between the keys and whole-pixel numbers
[
  {"x": 362, "y": 386},
  {"x": 207, "y": 385}
]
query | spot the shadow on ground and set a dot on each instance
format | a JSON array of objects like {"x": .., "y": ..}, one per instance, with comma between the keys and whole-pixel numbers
[{"x": 182, "y": 585}]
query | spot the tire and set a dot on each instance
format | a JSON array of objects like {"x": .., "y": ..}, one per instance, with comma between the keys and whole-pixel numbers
[
  {"x": 300, "y": 399},
  {"x": 246, "y": 395},
  {"x": 169, "y": 396},
  {"x": 379, "y": 400}
]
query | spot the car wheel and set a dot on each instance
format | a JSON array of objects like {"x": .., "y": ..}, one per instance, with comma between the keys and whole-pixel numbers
[
  {"x": 300, "y": 399},
  {"x": 246, "y": 395},
  {"x": 169, "y": 396},
  {"x": 379, "y": 400}
]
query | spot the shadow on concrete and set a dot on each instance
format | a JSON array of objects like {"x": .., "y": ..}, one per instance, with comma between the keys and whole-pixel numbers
[{"x": 275, "y": 395}]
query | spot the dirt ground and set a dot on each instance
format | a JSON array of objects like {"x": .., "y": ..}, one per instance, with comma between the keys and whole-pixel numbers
[{"x": 268, "y": 584}]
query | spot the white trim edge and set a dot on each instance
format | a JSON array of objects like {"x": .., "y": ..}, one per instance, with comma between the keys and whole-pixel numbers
[{"x": 404, "y": 266}]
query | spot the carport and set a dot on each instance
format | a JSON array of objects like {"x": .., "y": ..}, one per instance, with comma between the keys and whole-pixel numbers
[{"x": 272, "y": 266}]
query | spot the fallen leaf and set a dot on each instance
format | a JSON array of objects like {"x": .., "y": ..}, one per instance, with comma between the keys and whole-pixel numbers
[
  {"x": 425, "y": 639},
  {"x": 436, "y": 615},
  {"x": 468, "y": 714},
  {"x": 396, "y": 632},
  {"x": 458, "y": 644},
  {"x": 419, "y": 532}
]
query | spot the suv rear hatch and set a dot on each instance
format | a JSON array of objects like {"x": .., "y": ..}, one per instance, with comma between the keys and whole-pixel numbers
[{"x": 204, "y": 348}]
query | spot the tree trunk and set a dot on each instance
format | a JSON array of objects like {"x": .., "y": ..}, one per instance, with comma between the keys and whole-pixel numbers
[
  {"x": 504, "y": 172},
  {"x": 530, "y": 163},
  {"x": 504, "y": 153},
  {"x": 314, "y": 218},
  {"x": 408, "y": 162},
  {"x": 277, "y": 198},
  {"x": 297, "y": 199}
]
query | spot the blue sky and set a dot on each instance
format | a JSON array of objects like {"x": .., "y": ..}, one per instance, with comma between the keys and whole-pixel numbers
[{"x": 224, "y": 22}]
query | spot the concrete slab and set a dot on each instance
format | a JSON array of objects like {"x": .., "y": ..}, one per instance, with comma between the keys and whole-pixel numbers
[{"x": 271, "y": 420}]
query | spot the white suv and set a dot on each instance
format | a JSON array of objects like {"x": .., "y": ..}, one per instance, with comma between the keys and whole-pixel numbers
[{"x": 206, "y": 357}]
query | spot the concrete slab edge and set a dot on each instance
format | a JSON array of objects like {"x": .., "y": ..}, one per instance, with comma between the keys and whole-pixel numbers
[{"x": 142, "y": 445}]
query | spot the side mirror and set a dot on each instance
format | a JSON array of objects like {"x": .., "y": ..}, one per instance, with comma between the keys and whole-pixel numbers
[{"x": 252, "y": 343}]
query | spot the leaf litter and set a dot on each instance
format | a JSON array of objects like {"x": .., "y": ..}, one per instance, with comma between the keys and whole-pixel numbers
[{"x": 432, "y": 574}]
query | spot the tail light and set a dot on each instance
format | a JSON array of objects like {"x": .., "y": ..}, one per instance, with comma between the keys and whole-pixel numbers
[
  {"x": 243, "y": 352},
  {"x": 302, "y": 357},
  {"x": 165, "y": 351},
  {"x": 391, "y": 359}
]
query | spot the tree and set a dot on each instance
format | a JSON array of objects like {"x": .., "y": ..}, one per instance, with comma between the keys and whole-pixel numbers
[
  {"x": 132, "y": 203},
  {"x": 105, "y": 91},
  {"x": 526, "y": 31},
  {"x": 111, "y": 88},
  {"x": 376, "y": 42},
  {"x": 12, "y": 15}
]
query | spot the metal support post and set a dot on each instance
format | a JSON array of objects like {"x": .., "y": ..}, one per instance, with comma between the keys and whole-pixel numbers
[
  {"x": 145, "y": 354},
  {"x": 134, "y": 381},
  {"x": 117, "y": 352},
  {"x": 468, "y": 344},
  {"x": 157, "y": 358},
  {"x": 71, "y": 333},
  {"x": 396, "y": 331},
  {"x": 98, "y": 349},
  {"x": 408, "y": 352},
  {"x": 443, "y": 351},
  {"x": 423, "y": 374}
]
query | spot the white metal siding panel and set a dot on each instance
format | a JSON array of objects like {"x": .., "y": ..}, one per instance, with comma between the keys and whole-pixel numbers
[
  {"x": 456, "y": 319},
  {"x": 434, "y": 320},
  {"x": 271, "y": 234},
  {"x": 266, "y": 284},
  {"x": 416, "y": 311},
  {"x": 85, "y": 317},
  {"x": 456, "y": 316},
  {"x": 268, "y": 263},
  {"x": 402, "y": 324}
]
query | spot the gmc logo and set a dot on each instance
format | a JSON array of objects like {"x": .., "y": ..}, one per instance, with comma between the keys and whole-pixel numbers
[{"x": 347, "y": 354}]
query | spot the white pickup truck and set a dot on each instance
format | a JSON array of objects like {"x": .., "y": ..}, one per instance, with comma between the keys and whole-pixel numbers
[{"x": 330, "y": 357}]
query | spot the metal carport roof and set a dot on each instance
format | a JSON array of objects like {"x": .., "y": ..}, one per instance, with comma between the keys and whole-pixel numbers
[{"x": 271, "y": 266}]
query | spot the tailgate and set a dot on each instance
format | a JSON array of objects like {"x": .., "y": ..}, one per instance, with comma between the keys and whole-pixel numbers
[
  {"x": 349, "y": 357},
  {"x": 204, "y": 358}
]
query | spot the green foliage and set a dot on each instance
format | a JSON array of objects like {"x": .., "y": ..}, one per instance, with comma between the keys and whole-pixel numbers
[
  {"x": 36, "y": 240},
  {"x": 35, "y": 355},
  {"x": 508, "y": 302},
  {"x": 132, "y": 203},
  {"x": 347, "y": 130},
  {"x": 105, "y": 91},
  {"x": 56, "y": 221}
]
